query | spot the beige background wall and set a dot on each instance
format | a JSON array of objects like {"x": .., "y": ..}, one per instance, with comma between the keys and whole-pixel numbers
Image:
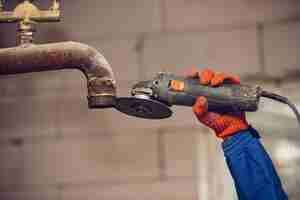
[{"x": 54, "y": 147}]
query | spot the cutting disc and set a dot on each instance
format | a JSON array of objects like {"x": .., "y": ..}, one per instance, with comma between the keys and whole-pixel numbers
[{"x": 143, "y": 107}]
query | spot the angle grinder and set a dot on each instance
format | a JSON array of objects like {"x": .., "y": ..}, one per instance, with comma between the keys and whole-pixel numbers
[{"x": 152, "y": 99}]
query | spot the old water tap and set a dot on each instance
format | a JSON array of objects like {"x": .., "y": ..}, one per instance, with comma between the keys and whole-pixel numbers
[{"x": 29, "y": 57}]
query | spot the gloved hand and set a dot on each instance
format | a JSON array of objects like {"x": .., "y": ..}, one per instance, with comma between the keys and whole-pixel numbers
[{"x": 224, "y": 124}]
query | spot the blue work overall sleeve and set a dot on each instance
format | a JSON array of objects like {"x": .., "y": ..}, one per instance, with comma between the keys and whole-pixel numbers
[{"x": 253, "y": 172}]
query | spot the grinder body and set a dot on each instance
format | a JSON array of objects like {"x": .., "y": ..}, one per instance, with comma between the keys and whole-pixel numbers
[
  {"x": 225, "y": 98},
  {"x": 152, "y": 99}
]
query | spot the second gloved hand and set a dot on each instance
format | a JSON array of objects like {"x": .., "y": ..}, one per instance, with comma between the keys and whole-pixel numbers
[{"x": 224, "y": 124}]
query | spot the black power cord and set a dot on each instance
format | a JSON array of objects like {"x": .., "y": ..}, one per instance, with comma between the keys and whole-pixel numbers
[{"x": 282, "y": 99}]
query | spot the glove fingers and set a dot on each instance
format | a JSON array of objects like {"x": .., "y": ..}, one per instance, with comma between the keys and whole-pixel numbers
[
  {"x": 200, "y": 107},
  {"x": 206, "y": 76},
  {"x": 209, "y": 119},
  {"x": 219, "y": 78}
]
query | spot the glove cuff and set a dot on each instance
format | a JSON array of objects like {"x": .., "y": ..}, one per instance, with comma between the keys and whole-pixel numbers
[{"x": 232, "y": 130}]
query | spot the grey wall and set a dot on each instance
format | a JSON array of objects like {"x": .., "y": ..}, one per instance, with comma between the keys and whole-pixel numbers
[{"x": 54, "y": 147}]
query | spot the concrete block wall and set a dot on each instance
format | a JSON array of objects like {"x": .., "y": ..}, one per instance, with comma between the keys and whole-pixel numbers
[{"x": 54, "y": 147}]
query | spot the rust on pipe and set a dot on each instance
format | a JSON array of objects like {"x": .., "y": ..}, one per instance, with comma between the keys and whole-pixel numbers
[{"x": 64, "y": 55}]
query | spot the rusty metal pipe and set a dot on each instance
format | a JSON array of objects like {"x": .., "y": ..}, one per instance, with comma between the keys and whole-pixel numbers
[{"x": 64, "y": 55}]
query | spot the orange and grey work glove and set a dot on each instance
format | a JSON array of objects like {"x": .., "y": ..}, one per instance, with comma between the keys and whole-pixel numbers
[{"x": 224, "y": 124}]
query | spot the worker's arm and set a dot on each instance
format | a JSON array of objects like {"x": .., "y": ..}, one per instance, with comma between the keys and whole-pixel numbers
[{"x": 253, "y": 172}]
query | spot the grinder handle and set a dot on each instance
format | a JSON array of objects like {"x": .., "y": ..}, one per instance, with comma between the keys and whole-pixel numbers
[{"x": 225, "y": 98}]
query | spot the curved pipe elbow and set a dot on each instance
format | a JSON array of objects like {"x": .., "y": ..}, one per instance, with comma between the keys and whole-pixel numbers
[{"x": 65, "y": 55}]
